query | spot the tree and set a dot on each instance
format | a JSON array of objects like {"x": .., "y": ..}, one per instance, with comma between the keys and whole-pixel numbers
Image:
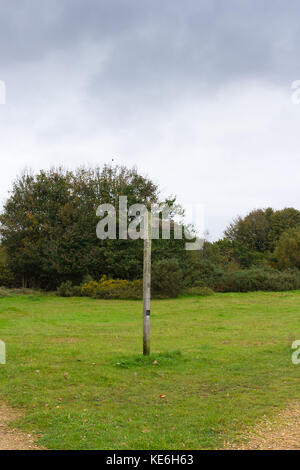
[
  {"x": 281, "y": 221},
  {"x": 261, "y": 229},
  {"x": 48, "y": 225},
  {"x": 287, "y": 252},
  {"x": 253, "y": 231}
]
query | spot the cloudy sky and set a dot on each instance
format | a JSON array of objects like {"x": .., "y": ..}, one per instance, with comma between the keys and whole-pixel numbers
[{"x": 196, "y": 93}]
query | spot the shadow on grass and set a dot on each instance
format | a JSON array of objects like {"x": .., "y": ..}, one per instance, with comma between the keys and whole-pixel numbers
[{"x": 164, "y": 359}]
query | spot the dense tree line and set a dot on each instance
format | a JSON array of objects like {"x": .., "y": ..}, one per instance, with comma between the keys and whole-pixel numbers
[{"x": 48, "y": 236}]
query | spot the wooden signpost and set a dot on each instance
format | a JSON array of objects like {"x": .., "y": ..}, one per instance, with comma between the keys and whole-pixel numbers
[{"x": 147, "y": 286}]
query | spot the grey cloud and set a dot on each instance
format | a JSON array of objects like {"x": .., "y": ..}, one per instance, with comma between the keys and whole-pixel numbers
[
  {"x": 159, "y": 41},
  {"x": 131, "y": 77}
]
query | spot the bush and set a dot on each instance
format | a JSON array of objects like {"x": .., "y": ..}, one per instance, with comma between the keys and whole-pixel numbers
[
  {"x": 87, "y": 278},
  {"x": 197, "y": 290},
  {"x": 66, "y": 289},
  {"x": 259, "y": 279},
  {"x": 166, "y": 278},
  {"x": 6, "y": 276},
  {"x": 76, "y": 291},
  {"x": 202, "y": 273},
  {"x": 113, "y": 289}
]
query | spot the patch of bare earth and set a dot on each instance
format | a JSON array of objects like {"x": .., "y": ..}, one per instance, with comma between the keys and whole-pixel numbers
[
  {"x": 13, "y": 439},
  {"x": 281, "y": 433}
]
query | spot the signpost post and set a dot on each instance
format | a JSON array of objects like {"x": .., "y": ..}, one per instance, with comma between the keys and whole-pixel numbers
[{"x": 147, "y": 285}]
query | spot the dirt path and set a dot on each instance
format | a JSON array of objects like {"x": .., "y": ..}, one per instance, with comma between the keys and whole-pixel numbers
[
  {"x": 283, "y": 433},
  {"x": 12, "y": 439}
]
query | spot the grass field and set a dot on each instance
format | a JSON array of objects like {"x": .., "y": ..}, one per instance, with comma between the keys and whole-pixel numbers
[{"x": 74, "y": 366}]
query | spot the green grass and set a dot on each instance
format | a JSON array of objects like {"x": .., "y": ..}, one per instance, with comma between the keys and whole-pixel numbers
[{"x": 75, "y": 367}]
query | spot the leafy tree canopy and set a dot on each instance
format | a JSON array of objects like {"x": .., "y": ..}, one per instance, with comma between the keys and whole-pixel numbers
[
  {"x": 48, "y": 225},
  {"x": 287, "y": 252},
  {"x": 261, "y": 229}
]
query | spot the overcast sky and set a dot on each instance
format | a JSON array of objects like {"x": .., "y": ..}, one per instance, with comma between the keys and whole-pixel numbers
[{"x": 196, "y": 93}]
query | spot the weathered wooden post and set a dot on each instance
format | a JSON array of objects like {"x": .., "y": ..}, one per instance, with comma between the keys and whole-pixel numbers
[{"x": 147, "y": 285}]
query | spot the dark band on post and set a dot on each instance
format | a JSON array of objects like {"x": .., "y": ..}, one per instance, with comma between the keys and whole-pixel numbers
[{"x": 148, "y": 313}]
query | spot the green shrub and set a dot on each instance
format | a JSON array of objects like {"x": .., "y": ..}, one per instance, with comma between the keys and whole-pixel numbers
[
  {"x": 113, "y": 289},
  {"x": 202, "y": 273},
  {"x": 166, "y": 278},
  {"x": 87, "y": 278},
  {"x": 66, "y": 289},
  {"x": 259, "y": 279},
  {"x": 76, "y": 291},
  {"x": 197, "y": 290},
  {"x": 6, "y": 276}
]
